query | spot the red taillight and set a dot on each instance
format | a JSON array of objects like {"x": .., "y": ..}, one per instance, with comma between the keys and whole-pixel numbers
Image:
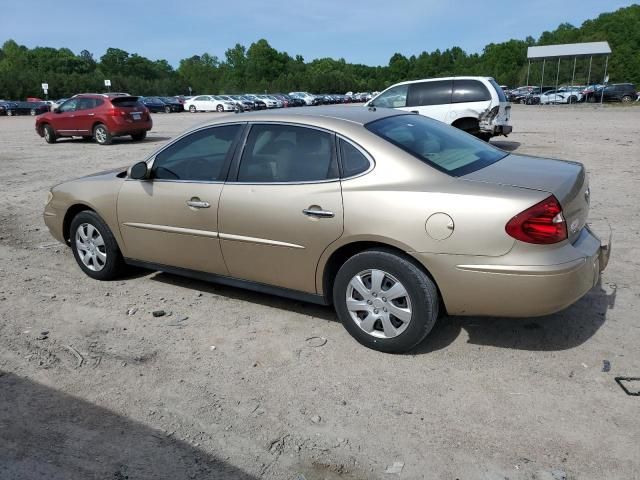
[
  {"x": 543, "y": 223},
  {"x": 117, "y": 112}
]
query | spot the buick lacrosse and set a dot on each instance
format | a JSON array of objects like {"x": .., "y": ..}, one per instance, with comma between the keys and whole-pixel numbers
[{"x": 391, "y": 217}]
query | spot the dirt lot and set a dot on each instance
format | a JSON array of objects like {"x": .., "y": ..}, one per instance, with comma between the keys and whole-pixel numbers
[{"x": 109, "y": 395}]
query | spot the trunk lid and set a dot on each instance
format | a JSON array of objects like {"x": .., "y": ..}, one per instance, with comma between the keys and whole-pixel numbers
[{"x": 567, "y": 181}]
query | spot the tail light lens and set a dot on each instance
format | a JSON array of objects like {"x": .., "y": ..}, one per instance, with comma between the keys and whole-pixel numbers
[
  {"x": 542, "y": 224},
  {"x": 116, "y": 112}
]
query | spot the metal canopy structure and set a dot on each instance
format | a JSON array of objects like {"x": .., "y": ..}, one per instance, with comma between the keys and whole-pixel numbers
[{"x": 569, "y": 50}]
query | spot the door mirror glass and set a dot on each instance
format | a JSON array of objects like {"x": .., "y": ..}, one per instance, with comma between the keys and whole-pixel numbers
[{"x": 139, "y": 171}]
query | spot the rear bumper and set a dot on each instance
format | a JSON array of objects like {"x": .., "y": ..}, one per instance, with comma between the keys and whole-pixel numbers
[
  {"x": 126, "y": 127},
  {"x": 503, "y": 129},
  {"x": 482, "y": 286}
]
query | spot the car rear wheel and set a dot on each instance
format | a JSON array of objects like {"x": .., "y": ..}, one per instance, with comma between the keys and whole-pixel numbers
[
  {"x": 94, "y": 247},
  {"x": 139, "y": 136},
  {"x": 9, "y": 113},
  {"x": 385, "y": 301},
  {"x": 49, "y": 134},
  {"x": 192, "y": 109},
  {"x": 220, "y": 108},
  {"x": 102, "y": 135},
  {"x": 167, "y": 109},
  {"x": 626, "y": 99},
  {"x": 32, "y": 112}
]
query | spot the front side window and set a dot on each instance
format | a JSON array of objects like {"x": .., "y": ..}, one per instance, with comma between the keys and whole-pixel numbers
[
  {"x": 470, "y": 91},
  {"x": 200, "y": 156},
  {"x": 285, "y": 153},
  {"x": 437, "y": 92},
  {"x": 437, "y": 144},
  {"x": 395, "y": 97}
]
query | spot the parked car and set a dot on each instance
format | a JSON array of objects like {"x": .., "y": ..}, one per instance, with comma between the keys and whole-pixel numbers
[
  {"x": 467, "y": 228},
  {"x": 96, "y": 116},
  {"x": 306, "y": 97},
  {"x": 476, "y": 105},
  {"x": 240, "y": 105},
  {"x": 615, "y": 92},
  {"x": 153, "y": 104},
  {"x": 25, "y": 108},
  {"x": 269, "y": 102},
  {"x": 257, "y": 103},
  {"x": 172, "y": 104},
  {"x": 208, "y": 103},
  {"x": 5, "y": 106},
  {"x": 245, "y": 102}
]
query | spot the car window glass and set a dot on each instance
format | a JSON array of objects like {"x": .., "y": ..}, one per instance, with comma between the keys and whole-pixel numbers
[
  {"x": 429, "y": 93},
  {"x": 283, "y": 153},
  {"x": 469, "y": 91},
  {"x": 199, "y": 156},
  {"x": 69, "y": 105},
  {"x": 436, "y": 143},
  {"x": 395, "y": 97},
  {"x": 353, "y": 160}
]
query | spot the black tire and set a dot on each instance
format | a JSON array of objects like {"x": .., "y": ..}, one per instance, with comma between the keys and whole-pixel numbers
[
  {"x": 49, "y": 134},
  {"x": 422, "y": 293},
  {"x": 9, "y": 113},
  {"x": 193, "y": 109},
  {"x": 573, "y": 99},
  {"x": 220, "y": 108},
  {"x": 136, "y": 137},
  {"x": 32, "y": 112},
  {"x": 167, "y": 109},
  {"x": 102, "y": 135},
  {"x": 626, "y": 99},
  {"x": 484, "y": 136},
  {"x": 114, "y": 265}
]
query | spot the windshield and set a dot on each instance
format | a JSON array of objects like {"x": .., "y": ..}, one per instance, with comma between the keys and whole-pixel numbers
[{"x": 446, "y": 148}]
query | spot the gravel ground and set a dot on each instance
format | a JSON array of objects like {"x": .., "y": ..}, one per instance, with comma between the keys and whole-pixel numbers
[{"x": 93, "y": 386}]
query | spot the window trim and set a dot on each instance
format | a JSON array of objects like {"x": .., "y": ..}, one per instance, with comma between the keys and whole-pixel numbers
[
  {"x": 150, "y": 160},
  {"x": 367, "y": 155},
  {"x": 234, "y": 171}
]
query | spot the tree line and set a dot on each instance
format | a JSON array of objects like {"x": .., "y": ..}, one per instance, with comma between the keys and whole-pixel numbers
[{"x": 261, "y": 67}]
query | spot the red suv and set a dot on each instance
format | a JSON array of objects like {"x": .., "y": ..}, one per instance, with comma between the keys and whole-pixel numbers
[{"x": 99, "y": 116}]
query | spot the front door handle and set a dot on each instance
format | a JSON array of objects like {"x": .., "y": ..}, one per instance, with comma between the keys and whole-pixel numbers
[
  {"x": 312, "y": 212},
  {"x": 197, "y": 203}
]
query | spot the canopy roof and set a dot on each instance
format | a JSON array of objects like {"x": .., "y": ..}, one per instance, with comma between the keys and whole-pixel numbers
[{"x": 569, "y": 50}]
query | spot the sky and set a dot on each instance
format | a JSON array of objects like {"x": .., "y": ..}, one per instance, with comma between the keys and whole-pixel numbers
[{"x": 368, "y": 32}]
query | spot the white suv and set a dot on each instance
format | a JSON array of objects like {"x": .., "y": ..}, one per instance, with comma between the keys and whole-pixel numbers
[{"x": 476, "y": 105}]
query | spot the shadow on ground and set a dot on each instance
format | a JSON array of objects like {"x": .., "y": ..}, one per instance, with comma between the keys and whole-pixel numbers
[
  {"x": 505, "y": 145},
  {"x": 561, "y": 331},
  {"x": 51, "y": 435},
  {"x": 124, "y": 140}
]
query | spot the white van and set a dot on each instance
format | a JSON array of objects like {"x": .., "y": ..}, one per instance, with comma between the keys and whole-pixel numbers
[{"x": 476, "y": 105}]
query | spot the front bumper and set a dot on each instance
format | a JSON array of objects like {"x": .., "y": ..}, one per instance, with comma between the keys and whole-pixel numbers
[{"x": 492, "y": 286}]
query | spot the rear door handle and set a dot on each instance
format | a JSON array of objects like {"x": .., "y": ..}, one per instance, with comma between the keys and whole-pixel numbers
[
  {"x": 318, "y": 213},
  {"x": 197, "y": 203}
]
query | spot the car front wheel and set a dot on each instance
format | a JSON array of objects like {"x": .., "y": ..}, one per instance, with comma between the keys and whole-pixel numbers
[
  {"x": 192, "y": 109},
  {"x": 385, "y": 301},
  {"x": 49, "y": 134},
  {"x": 94, "y": 247},
  {"x": 102, "y": 135},
  {"x": 220, "y": 108}
]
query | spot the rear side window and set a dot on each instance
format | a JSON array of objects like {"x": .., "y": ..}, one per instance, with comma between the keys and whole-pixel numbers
[
  {"x": 429, "y": 93},
  {"x": 353, "y": 160},
  {"x": 286, "y": 153},
  {"x": 199, "y": 156},
  {"x": 470, "y": 91}
]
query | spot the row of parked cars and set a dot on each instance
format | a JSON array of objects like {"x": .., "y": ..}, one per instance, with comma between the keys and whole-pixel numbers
[{"x": 615, "y": 92}]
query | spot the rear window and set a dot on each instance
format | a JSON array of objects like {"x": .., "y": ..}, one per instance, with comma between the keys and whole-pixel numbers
[
  {"x": 437, "y": 144},
  {"x": 499, "y": 91},
  {"x": 125, "y": 102}
]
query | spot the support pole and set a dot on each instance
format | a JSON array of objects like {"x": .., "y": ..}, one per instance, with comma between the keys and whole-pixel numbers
[
  {"x": 573, "y": 77},
  {"x": 557, "y": 77},
  {"x": 604, "y": 79},
  {"x": 544, "y": 60},
  {"x": 528, "y": 69}
]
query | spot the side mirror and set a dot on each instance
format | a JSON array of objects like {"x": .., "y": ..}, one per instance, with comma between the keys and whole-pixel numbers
[{"x": 139, "y": 171}]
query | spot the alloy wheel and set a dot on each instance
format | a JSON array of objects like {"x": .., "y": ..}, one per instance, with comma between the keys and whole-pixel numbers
[
  {"x": 101, "y": 135},
  {"x": 90, "y": 246},
  {"x": 378, "y": 303}
]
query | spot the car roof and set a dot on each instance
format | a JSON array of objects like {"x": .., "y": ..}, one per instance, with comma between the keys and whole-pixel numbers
[
  {"x": 467, "y": 77},
  {"x": 316, "y": 115}
]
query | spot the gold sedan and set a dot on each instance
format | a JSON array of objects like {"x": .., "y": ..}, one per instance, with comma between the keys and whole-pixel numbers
[{"x": 392, "y": 217}]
